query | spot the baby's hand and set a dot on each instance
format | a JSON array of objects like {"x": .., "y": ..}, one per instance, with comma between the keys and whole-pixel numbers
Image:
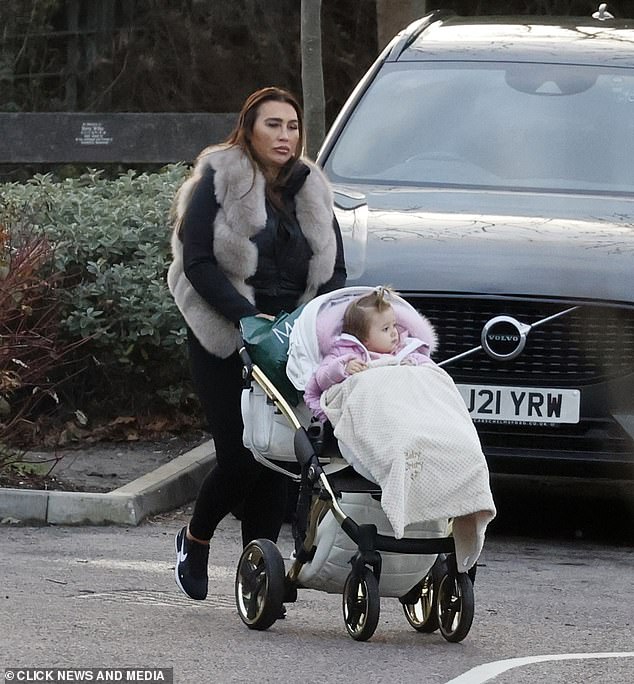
[{"x": 355, "y": 366}]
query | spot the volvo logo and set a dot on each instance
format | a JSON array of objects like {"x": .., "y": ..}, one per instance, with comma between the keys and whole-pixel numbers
[{"x": 503, "y": 338}]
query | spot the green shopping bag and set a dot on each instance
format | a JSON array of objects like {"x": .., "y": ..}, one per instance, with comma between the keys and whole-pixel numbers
[{"x": 267, "y": 344}]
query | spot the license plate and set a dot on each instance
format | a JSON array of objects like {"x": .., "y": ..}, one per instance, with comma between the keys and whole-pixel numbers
[{"x": 521, "y": 404}]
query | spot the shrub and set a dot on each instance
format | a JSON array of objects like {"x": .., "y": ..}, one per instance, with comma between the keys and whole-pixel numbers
[
  {"x": 31, "y": 353},
  {"x": 111, "y": 245}
]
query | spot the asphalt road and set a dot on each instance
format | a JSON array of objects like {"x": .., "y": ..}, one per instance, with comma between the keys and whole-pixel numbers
[{"x": 105, "y": 596}]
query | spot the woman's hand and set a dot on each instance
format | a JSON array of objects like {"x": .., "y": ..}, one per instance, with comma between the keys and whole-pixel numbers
[
  {"x": 267, "y": 316},
  {"x": 355, "y": 366}
]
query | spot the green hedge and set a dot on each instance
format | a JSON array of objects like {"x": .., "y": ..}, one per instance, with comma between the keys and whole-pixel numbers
[{"x": 111, "y": 243}]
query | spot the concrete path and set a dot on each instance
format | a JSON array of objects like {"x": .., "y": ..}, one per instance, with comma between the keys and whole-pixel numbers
[{"x": 169, "y": 486}]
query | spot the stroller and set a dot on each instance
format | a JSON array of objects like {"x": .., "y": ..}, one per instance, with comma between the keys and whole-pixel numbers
[{"x": 343, "y": 541}]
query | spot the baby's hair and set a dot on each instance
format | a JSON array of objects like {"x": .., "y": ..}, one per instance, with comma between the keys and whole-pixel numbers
[{"x": 358, "y": 314}]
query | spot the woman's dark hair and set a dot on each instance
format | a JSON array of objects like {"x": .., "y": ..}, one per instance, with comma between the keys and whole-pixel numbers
[{"x": 358, "y": 314}]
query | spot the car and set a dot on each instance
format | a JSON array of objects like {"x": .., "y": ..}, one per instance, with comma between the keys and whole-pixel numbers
[{"x": 483, "y": 168}]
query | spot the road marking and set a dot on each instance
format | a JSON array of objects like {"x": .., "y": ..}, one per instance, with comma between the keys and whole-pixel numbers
[
  {"x": 488, "y": 671},
  {"x": 160, "y": 598},
  {"x": 159, "y": 567}
]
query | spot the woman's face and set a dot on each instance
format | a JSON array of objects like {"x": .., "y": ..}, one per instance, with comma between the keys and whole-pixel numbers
[{"x": 275, "y": 133}]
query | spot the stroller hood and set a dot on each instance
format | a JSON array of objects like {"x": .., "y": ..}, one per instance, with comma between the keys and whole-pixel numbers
[{"x": 320, "y": 323}]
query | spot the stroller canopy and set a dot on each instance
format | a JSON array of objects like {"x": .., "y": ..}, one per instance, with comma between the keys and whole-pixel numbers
[{"x": 320, "y": 323}]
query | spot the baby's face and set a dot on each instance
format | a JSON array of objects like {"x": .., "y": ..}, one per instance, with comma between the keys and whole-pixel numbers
[{"x": 383, "y": 335}]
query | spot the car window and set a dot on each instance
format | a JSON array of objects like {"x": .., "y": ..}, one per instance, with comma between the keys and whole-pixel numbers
[{"x": 513, "y": 125}]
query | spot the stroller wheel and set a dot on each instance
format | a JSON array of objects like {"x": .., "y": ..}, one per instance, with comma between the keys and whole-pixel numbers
[
  {"x": 422, "y": 613},
  {"x": 259, "y": 585},
  {"x": 455, "y": 606},
  {"x": 361, "y": 605}
]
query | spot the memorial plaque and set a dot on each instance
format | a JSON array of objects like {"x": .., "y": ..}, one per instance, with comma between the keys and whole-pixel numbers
[{"x": 86, "y": 138}]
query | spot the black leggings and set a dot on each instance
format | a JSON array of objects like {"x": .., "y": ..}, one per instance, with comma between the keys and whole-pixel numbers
[{"x": 237, "y": 478}]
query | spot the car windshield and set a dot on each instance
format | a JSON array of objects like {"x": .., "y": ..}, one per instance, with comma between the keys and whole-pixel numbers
[{"x": 514, "y": 125}]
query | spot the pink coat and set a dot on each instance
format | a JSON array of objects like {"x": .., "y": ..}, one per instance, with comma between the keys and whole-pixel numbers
[{"x": 332, "y": 369}]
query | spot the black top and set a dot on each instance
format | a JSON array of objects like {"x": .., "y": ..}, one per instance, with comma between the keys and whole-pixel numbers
[{"x": 283, "y": 254}]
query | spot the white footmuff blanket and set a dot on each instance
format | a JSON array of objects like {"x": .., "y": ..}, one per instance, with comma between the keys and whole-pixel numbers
[{"x": 408, "y": 428}]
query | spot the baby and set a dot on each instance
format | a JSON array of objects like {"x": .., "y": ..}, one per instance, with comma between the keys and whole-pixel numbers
[{"x": 370, "y": 337}]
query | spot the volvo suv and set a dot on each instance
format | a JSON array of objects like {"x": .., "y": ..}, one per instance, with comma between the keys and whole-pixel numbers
[{"x": 484, "y": 167}]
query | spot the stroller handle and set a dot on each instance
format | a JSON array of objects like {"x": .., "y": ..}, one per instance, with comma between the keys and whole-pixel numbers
[{"x": 244, "y": 356}]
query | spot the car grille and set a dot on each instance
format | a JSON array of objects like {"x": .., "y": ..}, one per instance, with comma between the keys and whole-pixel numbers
[{"x": 590, "y": 344}]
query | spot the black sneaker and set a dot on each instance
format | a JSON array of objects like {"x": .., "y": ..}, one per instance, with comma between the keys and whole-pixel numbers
[{"x": 190, "y": 570}]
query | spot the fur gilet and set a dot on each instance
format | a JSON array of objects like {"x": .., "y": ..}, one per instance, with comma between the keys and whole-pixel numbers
[{"x": 240, "y": 193}]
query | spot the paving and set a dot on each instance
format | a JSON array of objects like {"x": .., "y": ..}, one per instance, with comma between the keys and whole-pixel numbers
[{"x": 133, "y": 487}]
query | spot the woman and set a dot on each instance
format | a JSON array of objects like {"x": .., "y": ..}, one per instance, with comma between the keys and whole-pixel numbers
[{"x": 254, "y": 235}]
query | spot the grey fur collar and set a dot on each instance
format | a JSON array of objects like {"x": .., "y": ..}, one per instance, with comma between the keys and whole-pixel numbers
[{"x": 240, "y": 192}]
